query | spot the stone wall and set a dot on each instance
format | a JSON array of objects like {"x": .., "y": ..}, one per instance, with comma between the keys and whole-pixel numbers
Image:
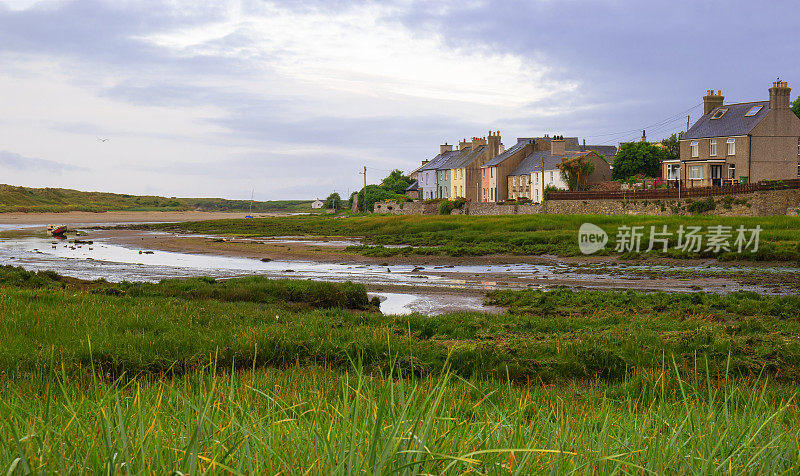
[{"x": 762, "y": 203}]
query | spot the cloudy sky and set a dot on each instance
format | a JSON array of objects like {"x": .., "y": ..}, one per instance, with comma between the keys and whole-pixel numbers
[{"x": 293, "y": 98}]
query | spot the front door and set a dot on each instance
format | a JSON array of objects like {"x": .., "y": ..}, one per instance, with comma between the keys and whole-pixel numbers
[{"x": 716, "y": 175}]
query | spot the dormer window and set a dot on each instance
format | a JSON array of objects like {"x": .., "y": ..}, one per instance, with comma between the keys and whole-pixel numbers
[
  {"x": 753, "y": 111},
  {"x": 719, "y": 113}
]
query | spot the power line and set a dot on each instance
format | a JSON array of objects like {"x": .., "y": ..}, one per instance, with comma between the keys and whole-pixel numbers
[{"x": 669, "y": 119}]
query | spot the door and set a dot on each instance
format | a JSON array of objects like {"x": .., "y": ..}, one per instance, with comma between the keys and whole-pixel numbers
[{"x": 716, "y": 175}]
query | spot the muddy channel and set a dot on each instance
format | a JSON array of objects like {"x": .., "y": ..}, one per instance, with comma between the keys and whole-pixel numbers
[{"x": 403, "y": 287}]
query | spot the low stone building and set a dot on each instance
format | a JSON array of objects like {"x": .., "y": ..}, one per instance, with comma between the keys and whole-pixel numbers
[{"x": 739, "y": 143}]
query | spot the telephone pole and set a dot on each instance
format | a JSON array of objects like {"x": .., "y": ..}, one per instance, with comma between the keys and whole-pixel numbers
[{"x": 365, "y": 189}]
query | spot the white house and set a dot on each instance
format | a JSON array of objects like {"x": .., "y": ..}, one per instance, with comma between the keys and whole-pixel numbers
[{"x": 316, "y": 204}]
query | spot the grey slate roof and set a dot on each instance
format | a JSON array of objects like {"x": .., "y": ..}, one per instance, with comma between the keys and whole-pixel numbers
[
  {"x": 464, "y": 159},
  {"x": 533, "y": 162},
  {"x": 413, "y": 187},
  {"x": 438, "y": 160},
  {"x": 733, "y": 123},
  {"x": 454, "y": 159},
  {"x": 608, "y": 150},
  {"x": 521, "y": 142}
]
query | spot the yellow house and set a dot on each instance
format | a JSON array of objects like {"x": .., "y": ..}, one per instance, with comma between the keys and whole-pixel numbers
[{"x": 458, "y": 182}]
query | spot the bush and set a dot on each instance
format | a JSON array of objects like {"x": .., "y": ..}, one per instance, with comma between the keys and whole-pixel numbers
[
  {"x": 702, "y": 206},
  {"x": 445, "y": 207}
]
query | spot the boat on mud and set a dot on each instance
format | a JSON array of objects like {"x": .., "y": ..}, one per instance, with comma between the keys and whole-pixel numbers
[{"x": 57, "y": 230}]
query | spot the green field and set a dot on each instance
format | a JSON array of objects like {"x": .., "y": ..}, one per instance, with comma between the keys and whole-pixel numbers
[
  {"x": 511, "y": 234},
  {"x": 259, "y": 376},
  {"x": 23, "y": 199}
]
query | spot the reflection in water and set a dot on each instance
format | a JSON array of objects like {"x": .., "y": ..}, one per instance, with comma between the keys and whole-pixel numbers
[{"x": 113, "y": 262}]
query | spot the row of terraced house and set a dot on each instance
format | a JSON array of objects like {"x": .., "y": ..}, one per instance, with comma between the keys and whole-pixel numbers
[
  {"x": 729, "y": 144},
  {"x": 482, "y": 170}
]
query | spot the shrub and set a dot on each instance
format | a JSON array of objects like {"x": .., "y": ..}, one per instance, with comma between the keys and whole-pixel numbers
[
  {"x": 445, "y": 207},
  {"x": 702, "y": 206}
]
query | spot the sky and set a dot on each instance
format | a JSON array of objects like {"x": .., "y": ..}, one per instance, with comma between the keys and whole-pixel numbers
[{"x": 291, "y": 99}]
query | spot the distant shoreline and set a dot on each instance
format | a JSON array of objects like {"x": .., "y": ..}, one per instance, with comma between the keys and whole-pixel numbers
[{"x": 68, "y": 218}]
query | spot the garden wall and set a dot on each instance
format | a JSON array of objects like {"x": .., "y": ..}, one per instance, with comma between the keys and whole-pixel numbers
[{"x": 762, "y": 203}]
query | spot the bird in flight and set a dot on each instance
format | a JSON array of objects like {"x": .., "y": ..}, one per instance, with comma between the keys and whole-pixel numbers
[{"x": 103, "y": 140}]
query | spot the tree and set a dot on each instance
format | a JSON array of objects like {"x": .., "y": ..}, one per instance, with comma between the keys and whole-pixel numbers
[
  {"x": 796, "y": 106},
  {"x": 396, "y": 182},
  {"x": 635, "y": 158},
  {"x": 576, "y": 171},
  {"x": 673, "y": 145},
  {"x": 333, "y": 201}
]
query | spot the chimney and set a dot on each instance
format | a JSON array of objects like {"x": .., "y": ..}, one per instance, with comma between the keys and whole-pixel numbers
[
  {"x": 477, "y": 142},
  {"x": 463, "y": 144},
  {"x": 494, "y": 144},
  {"x": 644, "y": 136},
  {"x": 779, "y": 95},
  {"x": 558, "y": 146},
  {"x": 711, "y": 100},
  {"x": 445, "y": 148}
]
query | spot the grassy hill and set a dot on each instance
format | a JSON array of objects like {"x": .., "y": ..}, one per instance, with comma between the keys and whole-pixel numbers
[{"x": 24, "y": 199}]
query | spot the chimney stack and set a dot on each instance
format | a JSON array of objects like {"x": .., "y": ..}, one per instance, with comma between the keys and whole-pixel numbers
[
  {"x": 445, "y": 148},
  {"x": 558, "y": 146},
  {"x": 779, "y": 95},
  {"x": 712, "y": 101},
  {"x": 644, "y": 136},
  {"x": 463, "y": 144},
  {"x": 494, "y": 144}
]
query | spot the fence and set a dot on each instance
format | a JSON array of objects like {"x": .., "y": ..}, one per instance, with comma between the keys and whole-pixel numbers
[{"x": 675, "y": 193}]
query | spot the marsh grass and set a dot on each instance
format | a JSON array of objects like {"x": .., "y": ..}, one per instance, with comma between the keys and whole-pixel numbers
[
  {"x": 346, "y": 295},
  {"x": 309, "y": 419},
  {"x": 459, "y": 235}
]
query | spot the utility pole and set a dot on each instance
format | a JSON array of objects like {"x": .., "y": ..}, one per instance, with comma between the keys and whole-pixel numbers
[
  {"x": 365, "y": 189},
  {"x": 687, "y": 123}
]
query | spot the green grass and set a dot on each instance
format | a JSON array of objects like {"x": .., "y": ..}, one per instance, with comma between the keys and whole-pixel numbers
[
  {"x": 204, "y": 376},
  {"x": 24, "y": 199},
  {"x": 512, "y": 234},
  {"x": 312, "y": 420}
]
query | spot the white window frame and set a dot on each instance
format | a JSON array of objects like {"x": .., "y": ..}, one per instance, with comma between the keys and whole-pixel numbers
[
  {"x": 731, "y": 171},
  {"x": 693, "y": 169},
  {"x": 695, "y": 145},
  {"x": 712, "y": 147},
  {"x": 731, "y": 146},
  {"x": 673, "y": 172}
]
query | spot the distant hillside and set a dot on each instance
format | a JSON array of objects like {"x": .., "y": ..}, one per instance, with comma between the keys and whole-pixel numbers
[{"x": 23, "y": 199}]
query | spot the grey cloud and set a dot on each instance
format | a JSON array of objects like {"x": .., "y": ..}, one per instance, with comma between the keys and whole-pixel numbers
[{"x": 11, "y": 160}]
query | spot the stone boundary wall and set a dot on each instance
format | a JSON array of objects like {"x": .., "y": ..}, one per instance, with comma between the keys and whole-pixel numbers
[{"x": 762, "y": 203}]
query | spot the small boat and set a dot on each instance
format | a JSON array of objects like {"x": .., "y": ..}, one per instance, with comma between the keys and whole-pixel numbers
[{"x": 57, "y": 230}]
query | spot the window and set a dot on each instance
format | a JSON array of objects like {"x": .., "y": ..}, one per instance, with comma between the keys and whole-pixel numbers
[
  {"x": 719, "y": 113},
  {"x": 491, "y": 172},
  {"x": 536, "y": 177},
  {"x": 673, "y": 172},
  {"x": 483, "y": 171},
  {"x": 753, "y": 111},
  {"x": 798, "y": 146},
  {"x": 551, "y": 176},
  {"x": 731, "y": 146},
  {"x": 731, "y": 171},
  {"x": 712, "y": 144},
  {"x": 696, "y": 172},
  {"x": 461, "y": 188},
  {"x": 695, "y": 148}
]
